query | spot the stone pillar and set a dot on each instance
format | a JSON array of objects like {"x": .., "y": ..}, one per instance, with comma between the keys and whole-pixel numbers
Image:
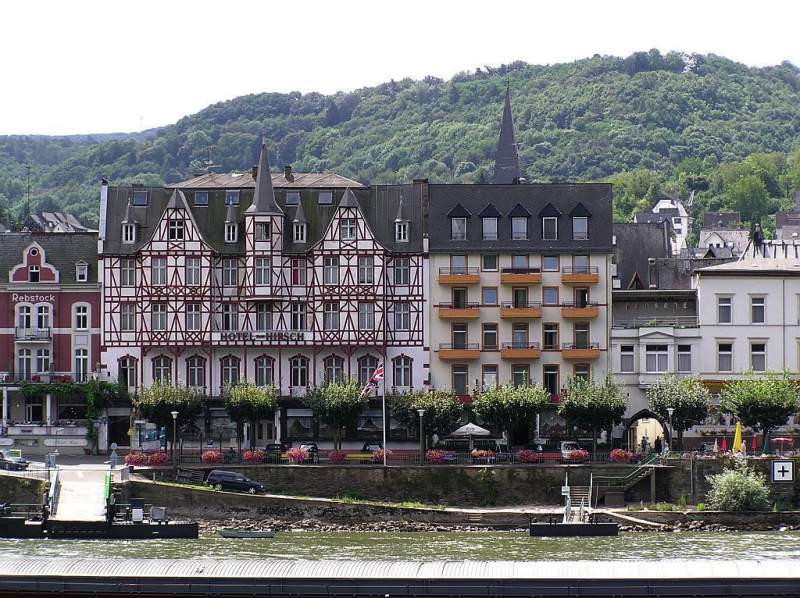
[
  {"x": 653, "y": 485},
  {"x": 47, "y": 406},
  {"x": 278, "y": 424},
  {"x": 5, "y": 406}
]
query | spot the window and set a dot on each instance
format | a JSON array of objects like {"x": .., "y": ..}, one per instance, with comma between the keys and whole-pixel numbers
[
  {"x": 263, "y": 231},
  {"x": 192, "y": 269},
  {"x": 402, "y": 271},
  {"x": 292, "y": 198},
  {"x": 402, "y": 371},
  {"x": 519, "y": 297},
  {"x": 24, "y": 363},
  {"x": 757, "y": 310},
  {"x": 196, "y": 372},
  {"x": 232, "y": 197},
  {"x": 489, "y": 334},
  {"x": 231, "y": 232},
  {"x": 458, "y": 264},
  {"x": 265, "y": 371},
  {"x": 330, "y": 316},
  {"x": 758, "y": 357},
  {"x": 33, "y": 274},
  {"x": 366, "y": 368},
  {"x": 402, "y": 315},
  {"x": 656, "y": 358},
  {"x": 201, "y": 198},
  {"x": 550, "y": 379},
  {"x": 127, "y": 272},
  {"x": 175, "y": 230},
  {"x": 725, "y": 357},
  {"x": 489, "y": 229},
  {"x": 550, "y": 228},
  {"x": 459, "y": 335},
  {"x": 347, "y": 229},
  {"x": 299, "y": 229},
  {"x": 42, "y": 360},
  {"x": 330, "y": 270},
  {"x": 459, "y": 297},
  {"x": 489, "y": 262},
  {"x": 194, "y": 317},
  {"x": 230, "y": 317},
  {"x": 684, "y": 358},
  {"x": 519, "y": 335},
  {"x": 81, "y": 272},
  {"x": 489, "y": 295},
  {"x": 489, "y": 377},
  {"x": 325, "y": 198},
  {"x": 550, "y": 295},
  {"x": 520, "y": 374},
  {"x": 581, "y": 370},
  {"x": 230, "y": 370},
  {"x": 82, "y": 317},
  {"x": 158, "y": 317},
  {"x": 127, "y": 372},
  {"x": 550, "y": 336},
  {"x": 401, "y": 232},
  {"x": 460, "y": 374},
  {"x": 365, "y": 269},
  {"x": 581, "y": 335},
  {"x": 580, "y": 264},
  {"x": 162, "y": 369},
  {"x": 263, "y": 317},
  {"x": 230, "y": 272},
  {"x": 24, "y": 318},
  {"x": 127, "y": 317},
  {"x": 298, "y": 316},
  {"x": 626, "y": 359},
  {"x": 724, "y": 308},
  {"x": 580, "y": 228},
  {"x": 262, "y": 270},
  {"x": 458, "y": 229},
  {"x": 299, "y": 271},
  {"x": 81, "y": 365},
  {"x": 366, "y": 316},
  {"x": 43, "y": 317},
  {"x": 519, "y": 229},
  {"x": 550, "y": 263},
  {"x": 158, "y": 271},
  {"x": 581, "y": 295},
  {"x": 139, "y": 198},
  {"x": 128, "y": 233},
  {"x": 519, "y": 262}
]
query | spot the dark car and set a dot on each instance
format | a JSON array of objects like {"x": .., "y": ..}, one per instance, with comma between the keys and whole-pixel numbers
[
  {"x": 370, "y": 446},
  {"x": 274, "y": 451},
  {"x": 229, "y": 480},
  {"x": 12, "y": 463}
]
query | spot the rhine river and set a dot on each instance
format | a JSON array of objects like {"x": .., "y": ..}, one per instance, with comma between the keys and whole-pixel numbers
[{"x": 426, "y": 546}]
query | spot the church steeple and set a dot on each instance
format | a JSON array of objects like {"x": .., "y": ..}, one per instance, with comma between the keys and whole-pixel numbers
[
  {"x": 264, "y": 195},
  {"x": 506, "y": 159}
]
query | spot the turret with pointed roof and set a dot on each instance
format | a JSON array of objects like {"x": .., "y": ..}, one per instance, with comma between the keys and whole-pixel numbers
[
  {"x": 348, "y": 199},
  {"x": 264, "y": 195},
  {"x": 506, "y": 158}
]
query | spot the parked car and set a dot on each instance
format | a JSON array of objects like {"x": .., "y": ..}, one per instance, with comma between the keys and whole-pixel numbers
[
  {"x": 274, "y": 451},
  {"x": 567, "y": 446},
  {"x": 313, "y": 451},
  {"x": 370, "y": 446},
  {"x": 12, "y": 463},
  {"x": 229, "y": 480},
  {"x": 535, "y": 446}
]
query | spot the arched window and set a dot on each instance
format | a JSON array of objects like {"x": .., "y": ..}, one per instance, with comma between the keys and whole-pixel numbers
[
  {"x": 43, "y": 317},
  {"x": 230, "y": 370},
  {"x": 162, "y": 369},
  {"x": 334, "y": 368},
  {"x": 265, "y": 371},
  {"x": 127, "y": 371},
  {"x": 366, "y": 367},
  {"x": 81, "y": 365},
  {"x": 24, "y": 317},
  {"x": 298, "y": 368},
  {"x": 196, "y": 371},
  {"x": 402, "y": 371}
]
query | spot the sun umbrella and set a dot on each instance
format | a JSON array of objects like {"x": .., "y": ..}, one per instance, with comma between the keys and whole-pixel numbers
[
  {"x": 767, "y": 449},
  {"x": 724, "y": 445},
  {"x": 737, "y": 438},
  {"x": 716, "y": 446},
  {"x": 471, "y": 430},
  {"x": 782, "y": 441},
  {"x": 754, "y": 444}
]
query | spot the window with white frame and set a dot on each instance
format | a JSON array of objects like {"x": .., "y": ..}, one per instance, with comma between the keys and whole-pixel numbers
[
  {"x": 127, "y": 372},
  {"x": 299, "y": 315},
  {"x": 489, "y": 376},
  {"x": 366, "y": 273},
  {"x": 458, "y": 229},
  {"x": 43, "y": 317},
  {"x": 193, "y": 270},
  {"x": 158, "y": 271},
  {"x": 724, "y": 310},
  {"x": 489, "y": 229},
  {"x": 401, "y": 232},
  {"x": 42, "y": 360},
  {"x": 230, "y": 317},
  {"x": 725, "y": 357},
  {"x": 196, "y": 372},
  {"x": 366, "y": 316},
  {"x": 519, "y": 228},
  {"x": 580, "y": 228},
  {"x": 263, "y": 317},
  {"x": 81, "y": 272},
  {"x": 127, "y": 272},
  {"x": 626, "y": 359},
  {"x": 230, "y": 272},
  {"x": 330, "y": 269},
  {"x": 402, "y": 371},
  {"x": 24, "y": 363},
  {"x": 656, "y": 358},
  {"x": 520, "y": 374},
  {"x": 549, "y": 263},
  {"x": 298, "y": 370},
  {"x": 550, "y": 228},
  {"x": 230, "y": 370},
  {"x": 333, "y": 367},
  {"x": 128, "y": 233},
  {"x": 402, "y": 271},
  {"x": 231, "y": 232},
  {"x": 347, "y": 229},
  {"x": 489, "y": 262},
  {"x": 366, "y": 368},
  {"x": 263, "y": 231},
  {"x": 299, "y": 230},
  {"x": 330, "y": 316},
  {"x": 299, "y": 271},
  {"x": 194, "y": 317},
  {"x": 175, "y": 230},
  {"x": 265, "y": 370},
  {"x": 82, "y": 317},
  {"x": 402, "y": 315},
  {"x": 684, "y": 359},
  {"x": 162, "y": 369},
  {"x": 261, "y": 267},
  {"x": 24, "y": 317},
  {"x": 158, "y": 317},
  {"x": 81, "y": 365},
  {"x": 127, "y": 317},
  {"x": 758, "y": 356},
  {"x": 757, "y": 310}
]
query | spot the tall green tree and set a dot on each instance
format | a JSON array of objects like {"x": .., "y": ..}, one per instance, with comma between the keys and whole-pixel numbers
[
  {"x": 157, "y": 402},
  {"x": 686, "y": 396},
  {"x": 250, "y": 403},
  {"x": 760, "y": 401},
  {"x": 443, "y": 411},
  {"x": 592, "y": 406},
  {"x": 507, "y": 407},
  {"x": 337, "y": 404}
]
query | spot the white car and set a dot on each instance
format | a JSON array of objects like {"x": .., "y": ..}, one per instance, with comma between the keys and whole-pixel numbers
[{"x": 567, "y": 446}]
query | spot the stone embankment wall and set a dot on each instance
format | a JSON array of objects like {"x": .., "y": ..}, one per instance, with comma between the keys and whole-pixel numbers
[{"x": 20, "y": 490}]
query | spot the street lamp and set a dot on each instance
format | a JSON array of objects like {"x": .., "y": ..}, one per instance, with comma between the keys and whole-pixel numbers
[
  {"x": 670, "y": 411},
  {"x": 174, "y": 433},
  {"x": 421, "y": 437}
]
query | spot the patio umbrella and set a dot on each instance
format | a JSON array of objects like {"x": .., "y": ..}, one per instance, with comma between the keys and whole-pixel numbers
[
  {"x": 471, "y": 430},
  {"x": 754, "y": 444},
  {"x": 716, "y": 446},
  {"x": 724, "y": 445},
  {"x": 782, "y": 441},
  {"x": 767, "y": 448},
  {"x": 737, "y": 438}
]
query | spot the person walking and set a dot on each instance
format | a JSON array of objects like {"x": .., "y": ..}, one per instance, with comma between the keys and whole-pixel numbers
[{"x": 658, "y": 445}]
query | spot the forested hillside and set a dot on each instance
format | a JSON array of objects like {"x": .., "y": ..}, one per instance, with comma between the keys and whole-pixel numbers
[{"x": 647, "y": 122}]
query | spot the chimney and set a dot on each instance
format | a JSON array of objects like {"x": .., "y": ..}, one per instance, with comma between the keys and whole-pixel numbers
[
  {"x": 287, "y": 173},
  {"x": 254, "y": 171},
  {"x": 652, "y": 273}
]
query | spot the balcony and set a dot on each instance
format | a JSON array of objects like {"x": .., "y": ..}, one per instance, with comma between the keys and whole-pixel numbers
[
  {"x": 580, "y": 275},
  {"x": 521, "y": 311},
  {"x": 580, "y": 311},
  {"x": 469, "y": 311},
  {"x": 32, "y": 334},
  {"x": 580, "y": 350},
  {"x": 459, "y": 276},
  {"x": 520, "y": 276},
  {"x": 659, "y": 322},
  {"x": 459, "y": 351},
  {"x": 520, "y": 350}
]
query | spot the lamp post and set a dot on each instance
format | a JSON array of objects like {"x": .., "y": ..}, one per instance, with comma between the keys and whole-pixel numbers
[
  {"x": 421, "y": 437},
  {"x": 174, "y": 433},
  {"x": 670, "y": 411}
]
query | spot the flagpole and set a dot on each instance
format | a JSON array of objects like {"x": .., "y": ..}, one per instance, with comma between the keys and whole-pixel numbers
[{"x": 383, "y": 412}]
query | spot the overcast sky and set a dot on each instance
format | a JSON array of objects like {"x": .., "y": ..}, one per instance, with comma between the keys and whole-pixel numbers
[{"x": 94, "y": 66}]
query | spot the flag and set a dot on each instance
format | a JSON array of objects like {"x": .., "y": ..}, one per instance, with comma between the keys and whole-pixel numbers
[{"x": 376, "y": 377}]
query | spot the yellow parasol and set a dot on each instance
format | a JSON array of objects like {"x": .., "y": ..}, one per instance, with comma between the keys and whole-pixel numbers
[{"x": 737, "y": 438}]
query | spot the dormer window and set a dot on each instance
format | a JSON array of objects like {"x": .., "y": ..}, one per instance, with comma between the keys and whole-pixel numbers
[
  {"x": 128, "y": 233},
  {"x": 458, "y": 229},
  {"x": 299, "y": 232},
  {"x": 401, "y": 232},
  {"x": 580, "y": 228},
  {"x": 139, "y": 198},
  {"x": 33, "y": 273},
  {"x": 263, "y": 231},
  {"x": 549, "y": 228},
  {"x": 81, "y": 272},
  {"x": 489, "y": 229},
  {"x": 347, "y": 229},
  {"x": 231, "y": 232},
  {"x": 519, "y": 229},
  {"x": 232, "y": 197},
  {"x": 175, "y": 230}
]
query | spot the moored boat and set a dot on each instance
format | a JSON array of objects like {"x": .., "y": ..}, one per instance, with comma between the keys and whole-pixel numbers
[{"x": 246, "y": 533}]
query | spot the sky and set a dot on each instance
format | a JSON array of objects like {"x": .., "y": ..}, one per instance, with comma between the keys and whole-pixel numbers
[{"x": 99, "y": 66}]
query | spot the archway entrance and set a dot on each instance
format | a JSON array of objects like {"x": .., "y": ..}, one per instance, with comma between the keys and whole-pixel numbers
[{"x": 646, "y": 428}]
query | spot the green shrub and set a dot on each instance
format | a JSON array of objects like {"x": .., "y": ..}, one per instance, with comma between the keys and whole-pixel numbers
[
  {"x": 738, "y": 489},
  {"x": 701, "y": 506},
  {"x": 683, "y": 501},
  {"x": 662, "y": 506}
]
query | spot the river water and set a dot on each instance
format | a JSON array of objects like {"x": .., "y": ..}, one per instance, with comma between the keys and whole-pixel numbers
[{"x": 425, "y": 546}]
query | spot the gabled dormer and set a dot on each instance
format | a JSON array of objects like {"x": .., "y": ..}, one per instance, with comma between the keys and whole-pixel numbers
[
  {"x": 490, "y": 223},
  {"x": 129, "y": 225},
  {"x": 580, "y": 222},
  {"x": 519, "y": 216},
  {"x": 458, "y": 217},
  {"x": 299, "y": 225},
  {"x": 81, "y": 271},
  {"x": 550, "y": 217},
  {"x": 402, "y": 225},
  {"x": 231, "y": 223},
  {"x": 34, "y": 267},
  {"x": 264, "y": 217}
]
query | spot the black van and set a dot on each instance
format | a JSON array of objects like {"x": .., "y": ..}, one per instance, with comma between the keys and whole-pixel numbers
[{"x": 229, "y": 480}]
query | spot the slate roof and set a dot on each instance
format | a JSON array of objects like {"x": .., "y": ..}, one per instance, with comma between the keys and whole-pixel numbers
[
  {"x": 244, "y": 180},
  {"x": 596, "y": 197},
  {"x": 733, "y": 239},
  {"x": 635, "y": 243},
  {"x": 772, "y": 257},
  {"x": 55, "y": 222},
  {"x": 506, "y": 157},
  {"x": 63, "y": 251},
  {"x": 722, "y": 220}
]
